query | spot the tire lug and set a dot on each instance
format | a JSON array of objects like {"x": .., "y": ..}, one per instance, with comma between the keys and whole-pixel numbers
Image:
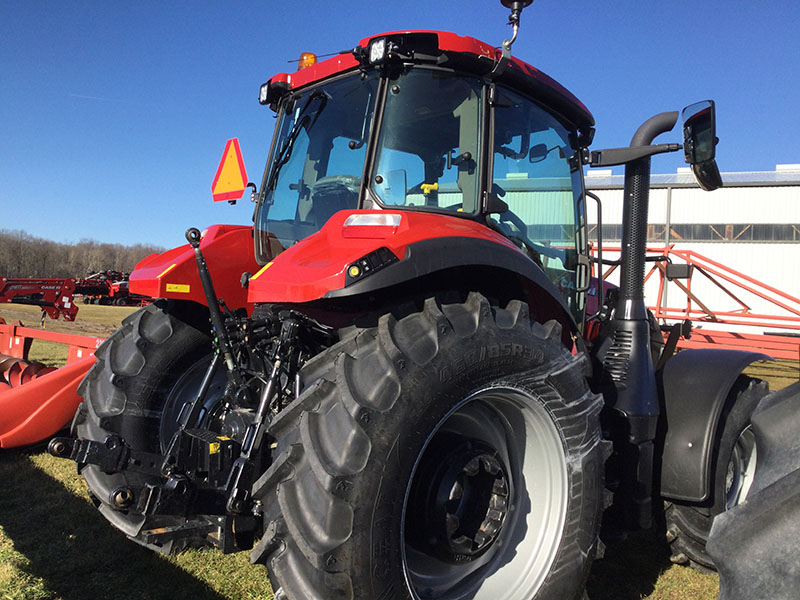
[
  {"x": 670, "y": 535},
  {"x": 457, "y": 491},
  {"x": 679, "y": 559}
]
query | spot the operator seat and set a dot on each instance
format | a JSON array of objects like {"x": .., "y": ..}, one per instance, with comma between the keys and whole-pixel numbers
[{"x": 331, "y": 194}]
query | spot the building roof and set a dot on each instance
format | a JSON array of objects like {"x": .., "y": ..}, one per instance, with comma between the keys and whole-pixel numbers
[{"x": 783, "y": 175}]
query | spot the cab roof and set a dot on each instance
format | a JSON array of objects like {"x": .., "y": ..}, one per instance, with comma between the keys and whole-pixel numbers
[{"x": 450, "y": 50}]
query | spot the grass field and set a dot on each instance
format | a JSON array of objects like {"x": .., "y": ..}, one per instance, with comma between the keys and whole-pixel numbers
[{"x": 55, "y": 546}]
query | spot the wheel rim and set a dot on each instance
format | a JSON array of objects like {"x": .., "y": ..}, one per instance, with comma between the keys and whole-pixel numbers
[
  {"x": 485, "y": 508},
  {"x": 185, "y": 391},
  {"x": 741, "y": 468}
]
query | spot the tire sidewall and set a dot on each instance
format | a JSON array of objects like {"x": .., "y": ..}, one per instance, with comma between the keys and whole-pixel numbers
[{"x": 126, "y": 390}]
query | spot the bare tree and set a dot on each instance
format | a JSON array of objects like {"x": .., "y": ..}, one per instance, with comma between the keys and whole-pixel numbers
[{"x": 23, "y": 255}]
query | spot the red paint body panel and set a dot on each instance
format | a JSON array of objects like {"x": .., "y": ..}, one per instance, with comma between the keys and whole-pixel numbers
[
  {"x": 316, "y": 265},
  {"x": 447, "y": 42},
  {"x": 457, "y": 43},
  {"x": 228, "y": 250}
]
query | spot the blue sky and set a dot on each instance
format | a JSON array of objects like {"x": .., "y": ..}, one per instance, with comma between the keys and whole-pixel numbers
[{"x": 113, "y": 116}]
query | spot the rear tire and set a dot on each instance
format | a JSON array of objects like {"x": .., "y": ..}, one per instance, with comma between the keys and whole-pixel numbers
[
  {"x": 454, "y": 453},
  {"x": 734, "y": 463},
  {"x": 144, "y": 373}
]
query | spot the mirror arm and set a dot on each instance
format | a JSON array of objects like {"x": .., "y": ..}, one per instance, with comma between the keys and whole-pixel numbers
[{"x": 620, "y": 156}]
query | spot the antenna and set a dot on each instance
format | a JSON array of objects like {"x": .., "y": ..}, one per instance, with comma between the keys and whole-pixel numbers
[{"x": 516, "y": 7}]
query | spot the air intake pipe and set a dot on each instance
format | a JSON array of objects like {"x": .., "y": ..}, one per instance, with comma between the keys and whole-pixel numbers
[
  {"x": 634, "y": 217},
  {"x": 627, "y": 364}
]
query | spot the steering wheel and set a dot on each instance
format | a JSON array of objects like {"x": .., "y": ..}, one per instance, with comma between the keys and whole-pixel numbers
[
  {"x": 518, "y": 236},
  {"x": 536, "y": 251}
]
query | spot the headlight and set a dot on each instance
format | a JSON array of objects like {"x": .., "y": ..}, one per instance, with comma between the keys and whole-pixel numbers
[{"x": 377, "y": 51}]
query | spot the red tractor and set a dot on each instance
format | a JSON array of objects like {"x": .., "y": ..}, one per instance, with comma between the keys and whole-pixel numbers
[{"x": 386, "y": 388}]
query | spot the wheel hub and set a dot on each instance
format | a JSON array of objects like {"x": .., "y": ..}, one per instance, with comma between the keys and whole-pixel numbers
[
  {"x": 461, "y": 500},
  {"x": 476, "y": 507}
]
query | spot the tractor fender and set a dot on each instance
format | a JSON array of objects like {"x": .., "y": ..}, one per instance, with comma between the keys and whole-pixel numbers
[
  {"x": 228, "y": 250},
  {"x": 341, "y": 262},
  {"x": 695, "y": 384},
  {"x": 436, "y": 255}
]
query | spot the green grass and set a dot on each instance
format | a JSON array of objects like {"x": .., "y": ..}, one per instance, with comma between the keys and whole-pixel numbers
[{"x": 54, "y": 545}]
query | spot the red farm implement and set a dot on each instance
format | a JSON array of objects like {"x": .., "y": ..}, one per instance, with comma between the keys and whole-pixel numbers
[
  {"x": 36, "y": 401},
  {"x": 773, "y": 327},
  {"x": 109, "y": 287},
  {"x": 54, "y": 296}
]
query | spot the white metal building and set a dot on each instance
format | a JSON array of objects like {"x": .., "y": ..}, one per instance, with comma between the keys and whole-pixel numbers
[{"x": 751, "y": 224}]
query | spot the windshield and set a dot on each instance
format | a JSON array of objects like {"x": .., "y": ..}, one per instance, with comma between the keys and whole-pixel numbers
[
  {"x": 317, "y": 161},
  {"x": 429, "y": 147}
]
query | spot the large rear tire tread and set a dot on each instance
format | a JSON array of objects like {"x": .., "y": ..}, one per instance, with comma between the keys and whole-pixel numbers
[
  {"x": 342, "y": 446},
  {"x": 688, "y": 525},
  {"x": 124, "y": 394}
]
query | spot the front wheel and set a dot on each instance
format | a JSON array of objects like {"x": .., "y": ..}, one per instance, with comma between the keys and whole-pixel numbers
[
  {"x": 734, "y": 462},
  {"x": 454, "y": 453}
]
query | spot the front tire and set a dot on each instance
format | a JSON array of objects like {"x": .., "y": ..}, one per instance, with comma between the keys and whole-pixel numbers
[
  {"x": 454, "y": 453},
  {"x": 735, "y": 460}
]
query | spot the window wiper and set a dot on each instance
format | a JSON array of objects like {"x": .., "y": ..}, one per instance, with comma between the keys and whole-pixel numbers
[{"x": 306, "y": 122}]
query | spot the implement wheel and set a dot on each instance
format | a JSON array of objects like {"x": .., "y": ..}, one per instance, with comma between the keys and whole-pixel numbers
[{"x": 454, "y": 453}]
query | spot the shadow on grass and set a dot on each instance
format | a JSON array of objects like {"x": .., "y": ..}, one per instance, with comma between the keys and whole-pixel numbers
[
  {"x": 71, "y": 547},
  {"x": 630, "y": 568}
]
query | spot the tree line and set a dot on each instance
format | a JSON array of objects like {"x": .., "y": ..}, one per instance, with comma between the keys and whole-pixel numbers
[{"x": 23, "y": 255}]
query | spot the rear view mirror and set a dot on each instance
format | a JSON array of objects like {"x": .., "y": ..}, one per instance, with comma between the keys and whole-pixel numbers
[
  {"x": 700, "y": 142},
  {"x": 538, "y": 153}
]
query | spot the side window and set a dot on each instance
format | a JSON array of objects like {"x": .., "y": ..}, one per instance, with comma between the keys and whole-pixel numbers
[
  {"x": 537, "y": 175},
  {"x": 291, "y": 174}
]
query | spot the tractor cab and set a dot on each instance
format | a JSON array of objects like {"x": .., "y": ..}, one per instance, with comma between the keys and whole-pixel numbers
[{"x": 422, "y": 121}]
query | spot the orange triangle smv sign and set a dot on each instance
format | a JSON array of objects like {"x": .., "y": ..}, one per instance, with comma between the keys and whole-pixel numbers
[{"x": 231, "y": 178}]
